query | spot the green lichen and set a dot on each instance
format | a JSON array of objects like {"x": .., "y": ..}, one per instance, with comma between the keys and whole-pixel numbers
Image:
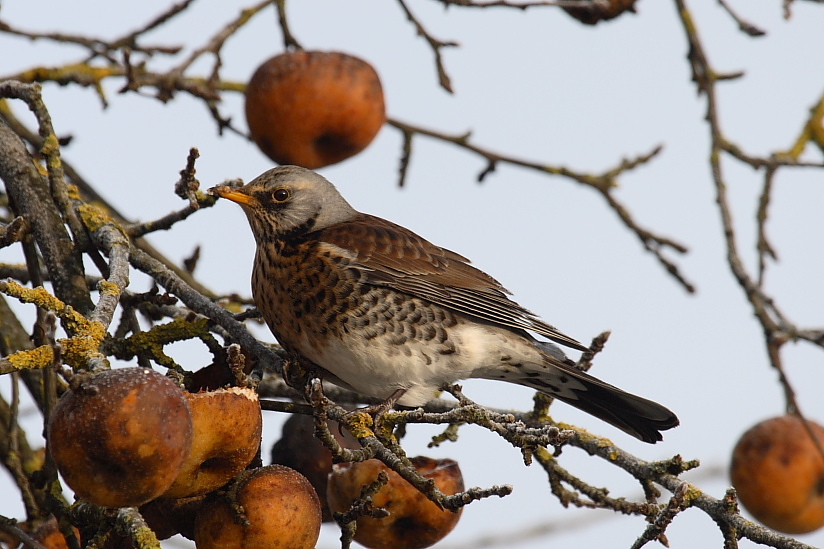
[{"x": 153, "y": 341}]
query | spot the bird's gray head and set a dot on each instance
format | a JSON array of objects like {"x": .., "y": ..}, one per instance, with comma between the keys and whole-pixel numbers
[{"x": 288, "y": 200}]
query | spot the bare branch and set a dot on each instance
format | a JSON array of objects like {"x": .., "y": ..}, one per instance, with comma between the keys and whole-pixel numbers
[
  {"x": 435, "y": 44},
  {"x": 604, "y": 184},
  {"x": 32, "y": 200}
]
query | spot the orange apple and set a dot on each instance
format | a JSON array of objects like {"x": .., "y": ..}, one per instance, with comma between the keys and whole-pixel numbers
[
  {"x": 778, "y": 471},
  {"x": 299, "y": 449},
  {"x": 120, "y": 438},
  {"x": 312, "y": 108},
  {"x": 226, "y": 437},
  {"x": 414, "y": 521},
  {"x": 280, "y": 511}
]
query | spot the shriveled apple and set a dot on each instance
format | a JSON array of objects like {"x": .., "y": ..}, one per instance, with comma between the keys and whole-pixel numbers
[{"x": 120, "y": 438}]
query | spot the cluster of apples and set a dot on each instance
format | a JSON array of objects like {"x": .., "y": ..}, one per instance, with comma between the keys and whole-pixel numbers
[
  {"x": 131, "y": 437},
  {"x": 414, "y": 521},
  {"x": 777, "y": 470}
]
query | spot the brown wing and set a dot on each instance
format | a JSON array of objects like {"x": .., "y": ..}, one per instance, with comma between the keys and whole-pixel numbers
[{"x": 393, "y": 256}]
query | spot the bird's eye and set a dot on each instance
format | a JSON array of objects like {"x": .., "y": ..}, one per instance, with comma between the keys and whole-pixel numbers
[{"x": 281, "y": 195}]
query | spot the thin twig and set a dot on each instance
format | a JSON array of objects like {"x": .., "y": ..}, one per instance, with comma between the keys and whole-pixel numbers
[
  {"x": 604, "y": 184},
  {"x": 744, "y": 26},
  {"x": 435, "y": 44}
]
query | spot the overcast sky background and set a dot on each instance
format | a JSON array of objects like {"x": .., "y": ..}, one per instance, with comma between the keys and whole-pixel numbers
[{"x": 535, "y": 85}]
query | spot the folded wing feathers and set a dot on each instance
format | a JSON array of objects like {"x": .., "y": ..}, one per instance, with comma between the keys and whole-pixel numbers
[{"x": 400, "y": 259}]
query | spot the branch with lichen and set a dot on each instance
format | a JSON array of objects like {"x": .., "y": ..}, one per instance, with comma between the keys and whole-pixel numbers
[
  {"x": 150, "y": 343},
  {"x": 531, "y": 431},
  {"x": 361, "y": 507},
  {"x": 89, "y": 73},
  {"x": 88, "y": 194},
  {"x": 665, "y": 473},
  {"x": 380, "y": 443},
  {"x": 203, "y": 305},
  {"x": 42, "y": 202},
  {"x": 208, "y": 89},
  {"x": 80, "y": 350}
]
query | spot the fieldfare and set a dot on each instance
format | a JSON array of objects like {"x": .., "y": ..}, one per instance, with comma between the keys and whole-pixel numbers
[{"x": 388, "y": 314}]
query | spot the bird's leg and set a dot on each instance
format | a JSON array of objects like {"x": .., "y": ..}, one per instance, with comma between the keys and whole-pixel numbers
[
  {"x": 298, "y": 372},
  {"x": 313, "y": 392}
]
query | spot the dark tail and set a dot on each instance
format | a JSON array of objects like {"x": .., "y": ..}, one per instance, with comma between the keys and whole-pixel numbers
[{"x": 641, "y": 418}]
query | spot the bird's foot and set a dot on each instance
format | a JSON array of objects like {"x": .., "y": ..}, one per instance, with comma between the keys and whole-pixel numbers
[{"x": 376, "y": 411}]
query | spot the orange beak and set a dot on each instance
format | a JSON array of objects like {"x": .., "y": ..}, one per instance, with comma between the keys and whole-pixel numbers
[{"x": 235, "y": 195}]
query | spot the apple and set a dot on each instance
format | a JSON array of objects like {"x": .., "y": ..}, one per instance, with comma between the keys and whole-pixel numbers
[
  {"x": 778, "y": 471},
  {"x": 120, "y": 437},
  {"x": 312, "y": 108},
  {"x": 280, "y": 510},
  {"x": 299, "y": 449},
  {"x": 227, "y": 424},
  {"x": 414, "y": 522}
]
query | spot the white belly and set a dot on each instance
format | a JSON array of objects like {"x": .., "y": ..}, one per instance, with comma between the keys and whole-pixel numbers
[{"x": 379, "y": 366}]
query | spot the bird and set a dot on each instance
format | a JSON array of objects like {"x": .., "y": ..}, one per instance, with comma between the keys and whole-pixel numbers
[{"x": 384, "y": 312}]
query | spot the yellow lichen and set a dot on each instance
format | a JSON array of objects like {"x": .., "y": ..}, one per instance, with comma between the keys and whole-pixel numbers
[
  {"x": 73, "y": 192},
  {"x": 145, "y": 538},
  {"x": 77, "y": 350},
  {"x": 42, "y": 298},
  {"x": 108, "y": 288},
  {"x": 79, "y": 72},
  {"x": 360, "y": 424},
  {"x": 543, "y": 454},
  {"x": 815, "y": 125},
  {"x": 31, "y": 359},
  {"x": 93, "y": 217},
  {"x": 692, "y": 493},
  {"x": 586, "y": 436},
  {"x": 51, "y": 145}
]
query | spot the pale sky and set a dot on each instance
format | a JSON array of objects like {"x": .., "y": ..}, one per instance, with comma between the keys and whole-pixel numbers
[{"x": 535, "y": 85}]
